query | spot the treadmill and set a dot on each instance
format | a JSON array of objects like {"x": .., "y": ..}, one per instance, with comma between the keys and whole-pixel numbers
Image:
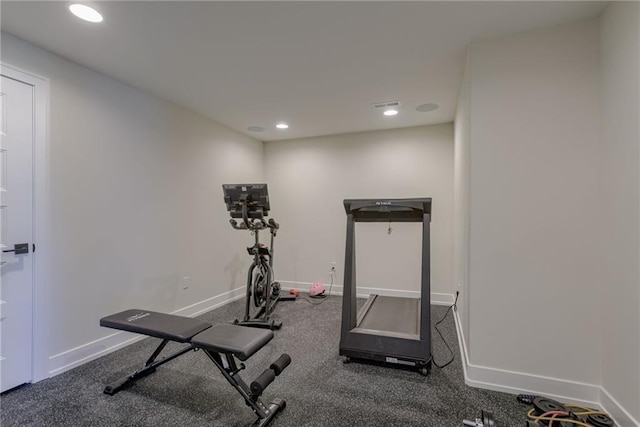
[{"x": 391, "y": 330}]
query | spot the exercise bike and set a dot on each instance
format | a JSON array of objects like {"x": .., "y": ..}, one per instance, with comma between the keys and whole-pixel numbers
[{"x": 251, "y": 203}]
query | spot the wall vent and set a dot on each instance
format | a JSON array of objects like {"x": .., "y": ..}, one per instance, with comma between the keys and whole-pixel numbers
[{"x": 384, "y": 105}]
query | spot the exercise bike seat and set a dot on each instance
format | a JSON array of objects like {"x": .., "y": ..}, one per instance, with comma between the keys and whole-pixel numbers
[
  {"x": 240, "y": 341},
  {"x": 160, "y": 325}
]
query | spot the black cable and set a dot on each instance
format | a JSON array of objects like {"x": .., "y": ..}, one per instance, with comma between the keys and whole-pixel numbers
[{"x": 453, "y": 356}]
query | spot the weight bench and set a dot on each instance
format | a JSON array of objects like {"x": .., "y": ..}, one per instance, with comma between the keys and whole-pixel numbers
[{"x": 221, "y": 343}]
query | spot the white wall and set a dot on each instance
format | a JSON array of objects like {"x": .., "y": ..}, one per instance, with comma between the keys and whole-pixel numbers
[
  {"x": 309, "y": 178},
  {"x": 620, "y": 220},
  {"x": 535, "y": 232},
  {"x": 136, "y": 201}
]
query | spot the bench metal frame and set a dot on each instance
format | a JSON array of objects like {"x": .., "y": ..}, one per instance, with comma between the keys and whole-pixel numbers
[{"x": 224, "y": 361}]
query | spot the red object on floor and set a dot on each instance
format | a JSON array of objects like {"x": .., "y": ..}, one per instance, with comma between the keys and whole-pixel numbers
[{"x": 294, "y": 292}]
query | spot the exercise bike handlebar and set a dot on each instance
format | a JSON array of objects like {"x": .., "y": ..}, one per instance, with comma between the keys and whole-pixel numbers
[
  {"x": 273, "y": 224},
  {"x": 235, "y": 225},
  {"x": 253, "y": 224}
]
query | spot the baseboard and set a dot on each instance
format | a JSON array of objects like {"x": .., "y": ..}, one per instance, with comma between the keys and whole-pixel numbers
[
  {"x": 591, "y": 395},
  {"x": 82, "y": 354},
  {"x": 211, "y": 304},
  {"x": 620, "y": 415},
  {"x": 364, "y": 292}
]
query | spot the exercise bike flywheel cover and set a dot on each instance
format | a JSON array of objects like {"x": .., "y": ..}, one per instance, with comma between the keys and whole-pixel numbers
[
  {"x": 258, "y": 289},
  {"x": 544, "y": 404}
]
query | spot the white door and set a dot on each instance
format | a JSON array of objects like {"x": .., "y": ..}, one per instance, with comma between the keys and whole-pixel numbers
[{"x": 16, "y": 227}]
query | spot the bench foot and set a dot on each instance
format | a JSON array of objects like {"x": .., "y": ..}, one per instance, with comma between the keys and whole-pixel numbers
[{"x": 274, "y": 407}]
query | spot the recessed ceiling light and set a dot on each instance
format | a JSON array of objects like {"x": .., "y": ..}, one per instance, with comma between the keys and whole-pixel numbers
[
  {"x": 390, "y": 112},
  {"x": 282, "y": 126},
  {"x": 425, "y": 108},
  {"x": 255, "y": 128},
  {"x": 85, "y": 12}
]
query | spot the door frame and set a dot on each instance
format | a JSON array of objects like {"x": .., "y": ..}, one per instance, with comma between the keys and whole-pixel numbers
[{"x": 41, "y": 278}]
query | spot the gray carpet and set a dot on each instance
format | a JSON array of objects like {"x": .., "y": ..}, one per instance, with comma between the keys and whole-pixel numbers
[{"x": 319, "y": 389}]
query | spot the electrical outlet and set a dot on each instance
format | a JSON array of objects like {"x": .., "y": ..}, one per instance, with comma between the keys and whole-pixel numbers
[
  {"x": 185, "y": 283},
  {"x": 332, "y": 266}
]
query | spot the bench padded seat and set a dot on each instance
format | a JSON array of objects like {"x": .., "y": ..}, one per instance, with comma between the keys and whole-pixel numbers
[
  {"x": 240, "y": 341},
  {"x": 159, "y": 325}
]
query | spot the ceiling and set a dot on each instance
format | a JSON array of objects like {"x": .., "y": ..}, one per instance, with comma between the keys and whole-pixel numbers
[{"x": 319, "y": 66}]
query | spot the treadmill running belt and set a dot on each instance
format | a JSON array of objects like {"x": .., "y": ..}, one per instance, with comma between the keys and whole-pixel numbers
[{"x": 393, "y": 314}]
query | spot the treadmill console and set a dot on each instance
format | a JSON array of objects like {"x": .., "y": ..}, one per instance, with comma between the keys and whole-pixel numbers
[{"x": 382, "y": 210}]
